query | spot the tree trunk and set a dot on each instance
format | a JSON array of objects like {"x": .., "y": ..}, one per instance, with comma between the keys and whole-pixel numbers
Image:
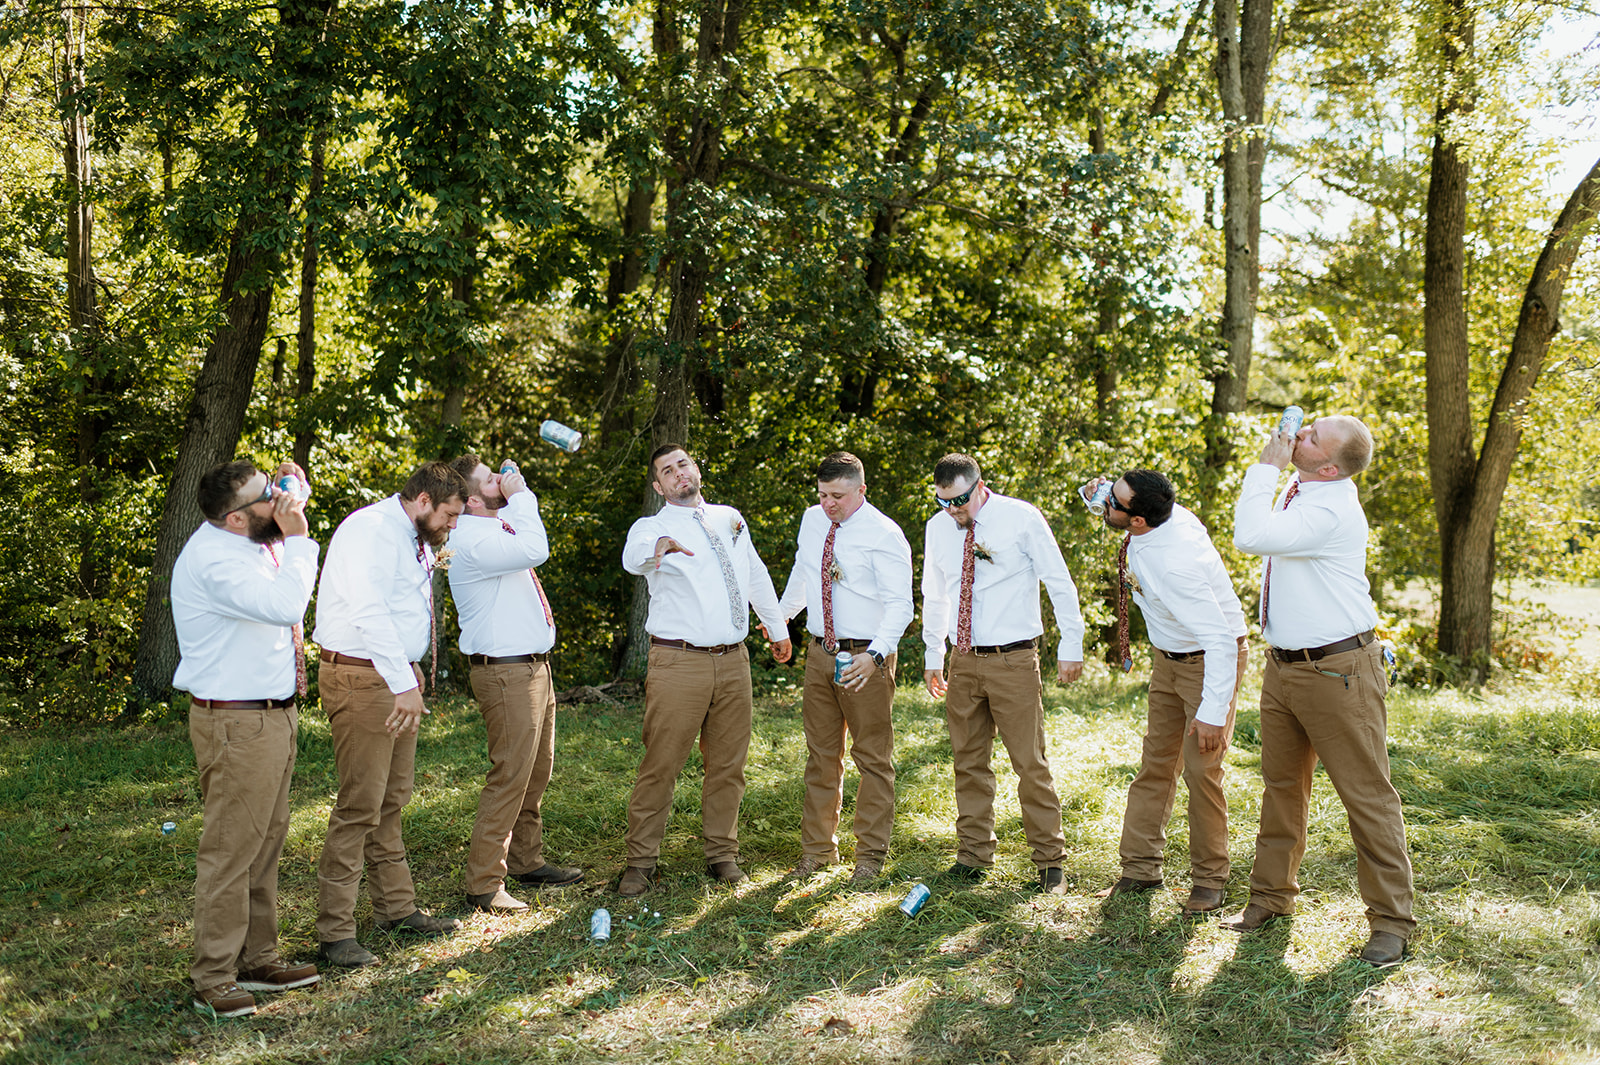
[
  {"x": 624, "y": 278},
  {"x": 306, "y": 339},
  {"x": 1244, "y": 57}
]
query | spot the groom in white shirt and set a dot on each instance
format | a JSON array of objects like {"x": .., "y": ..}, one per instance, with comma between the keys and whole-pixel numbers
[
  {"x": 1169, "y": 566},
  {"x": 704, "y": 577}
]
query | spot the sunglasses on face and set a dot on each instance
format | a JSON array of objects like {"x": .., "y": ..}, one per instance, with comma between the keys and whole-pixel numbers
[
  {"x": 958, "y": 501},
  {"x": 265, "y": 497}
]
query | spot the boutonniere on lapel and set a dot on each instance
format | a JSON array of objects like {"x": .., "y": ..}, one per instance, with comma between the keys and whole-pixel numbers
[
  {"x": 1133, "y": 583},
  {"x": 981, "y": 553},
  {"x": 441, "y": 560},
  {"x": 835, "y": 574},
  {"x": 738, "y": 527}
]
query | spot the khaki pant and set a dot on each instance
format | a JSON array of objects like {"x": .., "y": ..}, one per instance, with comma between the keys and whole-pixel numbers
[
  {"x": 828, "y": 711},
  {"x": 375, "y": 781},
  {"x": 991, "y": 695},
  {"x": 245, "y": 758},
  {"x": 1307, "y": 715},
  {"x": 518, "y": 703},
  {"x": 1175, "y": 692},
  {"x": 690, "y": 694}
]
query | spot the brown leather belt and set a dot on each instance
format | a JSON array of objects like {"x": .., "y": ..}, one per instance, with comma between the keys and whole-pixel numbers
[
  {"x": 1314, "y": 654},
  {"x": 845, "y": 645},
  {"x": 1000, "y": 649},
  {"x": 1190, "y": 656},
  {"x": 685, "y": 645},
  {"x": 345, "y": 660},
  {"x": 506, "y": 660},
  {"x": 243, "y": 704}
]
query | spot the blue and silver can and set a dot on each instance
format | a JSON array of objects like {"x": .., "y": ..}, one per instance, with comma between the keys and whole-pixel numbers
[
  {"x": 554, "y": 432},
  {"x": 508, "y": 467},
  {"x": 1293, "y": 418},
  {"x": 1096, "y": 500},
  {"x": 169, "y": 827},
  {"x": 295, "y": 488},
  {"x": 841, "y": 662},
  {"x": 600, "y": 925},
  {"x": 913, "y": 902}
]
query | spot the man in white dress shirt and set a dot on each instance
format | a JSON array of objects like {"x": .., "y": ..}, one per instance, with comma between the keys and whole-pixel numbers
[
  {"x": 704, "y": 577},
  {"x": 1324, "y": 685},
  {"x": 852, "y": 577},
  {"x": 237, "y": 604},
  {"x": 1198, "y": 656},
  {"x": 984, "y": 558},
  {"x": 374, "y": 622},
  {"x": 507, "y": 631}
]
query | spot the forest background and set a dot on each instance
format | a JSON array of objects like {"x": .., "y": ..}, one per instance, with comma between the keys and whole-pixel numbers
[{"x": 1069, "y": 238}]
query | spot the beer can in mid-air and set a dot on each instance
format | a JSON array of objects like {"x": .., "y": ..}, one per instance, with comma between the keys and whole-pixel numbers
[
  {"x": 554, "y": 432},
  {"x": 1293, "y": 418},
  {"x": 1096, "y": 500}
]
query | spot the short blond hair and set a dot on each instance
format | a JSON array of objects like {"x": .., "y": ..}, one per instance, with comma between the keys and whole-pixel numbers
[{"x": 1355, "y": 450}]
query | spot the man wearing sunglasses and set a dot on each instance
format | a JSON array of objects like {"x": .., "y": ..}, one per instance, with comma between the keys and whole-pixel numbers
[
  {"x": 984, "y": 557},
  {"x": 1169, "y": 566},
  {"x": 239, "y": 592},
  {"x": 1323, "y": 688}
]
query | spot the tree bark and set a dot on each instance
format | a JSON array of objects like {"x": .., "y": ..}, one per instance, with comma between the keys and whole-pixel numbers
[
  {"x": 1244, "y": 57},
  {"x": 623, "y": 279},
  {"x": 306, "y": 338}
]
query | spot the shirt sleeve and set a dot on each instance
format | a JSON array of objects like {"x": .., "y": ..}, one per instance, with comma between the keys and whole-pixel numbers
[
  {"x": 891, "y": 568},
  {"x": 497, "y": 555},
  {"x": 370, "y": 614},
  {"x": 1193, "y": 597},
  {"x": 793, "y": 599},
  {"x": 1298, "y": 530},
  {"x": 1051, "y": 568},
  {"x": 763, "y": 597},
  {"x": 935, "y": 605},
  {"x": 270, "y": 595},
  {"x": 638, "y": 553}
]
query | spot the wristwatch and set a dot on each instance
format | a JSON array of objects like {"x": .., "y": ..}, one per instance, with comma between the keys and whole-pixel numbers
[{"x": 876, "y": 657}]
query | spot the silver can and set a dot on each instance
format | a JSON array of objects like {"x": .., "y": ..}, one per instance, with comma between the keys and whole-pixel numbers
[
  {"x": 294, "y": 487},
  {"x": 553, "y": 432},
  {"x": 1096, "y": 500},
  {"x": 915, "y": 900},
  {"x": 841, "y": 662},
  {"x": 600, "y": 925},
  {"x": 508, "y": 467},
  {"x": 1293, "y": 418},
  {"x": 169, "y": 827}
]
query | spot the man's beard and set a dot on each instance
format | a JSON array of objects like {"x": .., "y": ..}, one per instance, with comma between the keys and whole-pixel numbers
[
  {"x": 684, "y": 494},
  {"x": 434, "y": 538},
  {"x": 265, "y": 530}
]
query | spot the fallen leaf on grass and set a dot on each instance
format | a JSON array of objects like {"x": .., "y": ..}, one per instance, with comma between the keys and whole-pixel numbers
[{"x": 838, "y": 1026}]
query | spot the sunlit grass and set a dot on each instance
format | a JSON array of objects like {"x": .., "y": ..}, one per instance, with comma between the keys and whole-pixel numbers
[{"x": 1502, "y": 791}]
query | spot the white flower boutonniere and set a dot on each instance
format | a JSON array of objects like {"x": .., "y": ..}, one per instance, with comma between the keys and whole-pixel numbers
[
  {"x": 738, "y": 527},
  {"x": 981, "y": 553},
  {"x": 835, "y": 574},
  {"x": 441, "y": 561}
]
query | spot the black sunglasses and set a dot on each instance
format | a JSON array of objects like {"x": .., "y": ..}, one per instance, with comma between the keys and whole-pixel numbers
[
  {"x": 958, "y": 501},
  {"x": 265, "y": 497}
]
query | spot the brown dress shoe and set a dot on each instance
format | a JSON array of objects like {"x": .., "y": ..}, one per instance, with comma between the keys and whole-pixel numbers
[
  {"x": 636, "y": 880},
  {"x": 1383, "y": 949},
  {"x": 1204, "y": 900},
  {"x": 1127, "y": 885},
  {"x": 725, "y": 872},
  {"x": 225, "y": 1000},
  {"x": 866, "y": 872},
  {"x": 805, "y": 867},
  {"x": 1252, "y": 917},
  {"x": 278, "y": 976},
  {"x": 549, "y": 876},
  {"x": 346, "y": 954},
  {"x": 421, "y": 924},
  {"x": 496, "y": 901}
]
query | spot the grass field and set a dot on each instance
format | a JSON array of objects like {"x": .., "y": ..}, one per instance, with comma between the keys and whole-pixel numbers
[{"x": 1502, "y": 791}]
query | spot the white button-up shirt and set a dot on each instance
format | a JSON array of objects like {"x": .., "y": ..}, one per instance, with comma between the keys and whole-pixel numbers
[
  {"x": 1189, "y": 603},
  {"x": 688, "y": 596},
  {"x": 375, "y": 599},
  {"x": 1318, "y": 547},
  {"x": 234, "y": 608},
  {"x": 872, "y": 597},
  {"x": 491, "y": 578},
  {"x": 1022, "y": 553}
]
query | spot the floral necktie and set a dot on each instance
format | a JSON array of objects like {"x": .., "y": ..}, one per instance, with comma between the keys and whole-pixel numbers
[
  {"x": 1123, "y": 653},
  {"x": 830, "y": 641},
  {"x": 969, "y": 570},
  {"x": 736, "y": 609},
  {"x": 1266, "y": 576},
  {"x": 538, "y": 586}
]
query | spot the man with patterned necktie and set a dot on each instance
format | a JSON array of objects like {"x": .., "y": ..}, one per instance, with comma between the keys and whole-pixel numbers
[
  {"x": 704, "y": 577},
  {"x": 1324, "y": 685},
  {"x": 239, "y": 594},
  {"x": 375, "y": 621},
  {"x": 852, "y": 577},
  {"x": 507, "y": 631},
  {"x": 1168, "y": 564},
  {"x": 984, "y": 558}
]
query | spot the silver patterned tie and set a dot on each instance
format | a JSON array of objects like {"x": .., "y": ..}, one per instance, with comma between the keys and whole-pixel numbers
[{"x": 736, "y": 609}]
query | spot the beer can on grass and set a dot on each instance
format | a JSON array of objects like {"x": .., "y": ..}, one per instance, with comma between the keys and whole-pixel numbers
[
  {"x": 554, "y": 432},
  {"x": 1096, "y": 500},
  {"x": 600, "y": 925},
  {"x": 841, "y": 662},
  {"x": 168, "y": 827},
  {"x": 1293, "y": 418},
  {"x": 918, "y": 898}
]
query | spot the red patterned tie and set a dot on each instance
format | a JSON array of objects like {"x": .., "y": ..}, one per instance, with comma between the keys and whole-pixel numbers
[
  {"x": 538, "y": 586},
  {"x": 969, "y": 569},
  {"x": 297, "y": 632},
  {"x": 1266, "y": 577},
  {"x": 830, "y": 642},
  {"x": 1122, "y": 604},
  {"x": 433, "y": 619}
]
